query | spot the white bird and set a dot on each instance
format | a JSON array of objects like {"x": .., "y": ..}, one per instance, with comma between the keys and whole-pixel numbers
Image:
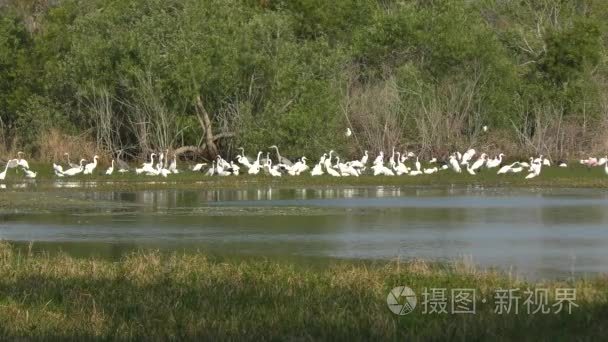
[
  {"x": 401, "y": 169},
  {"x": 415, "y": 173},
  {"x": 330, "y": 170},
  {"x": 198, "y": 166},
  {"x": 243, "y": 161},
  {"x": 29, "y": 173},
  {"x": 298, "y": 167},
  {"x": 90, "y": 167},
  {"x": 58, "y": 169},
  {"x": 318, "y": 169},
  {"x": 348, "y": 132},
  {"x": 506, "y": 168},
  {"x": 417, "y": 164},
  {"x": 492, "y": 163},
  {"x": 364, "y": 158},
  {"x": 535, "y": 168},
  {"x": 173, "y": 165},
  {"x": 454, "y": 164},
  {"x": 110, "y": 170},
  {"x": 211, "y": 171},
  {"x": 9, "y": 165},
  {"x": 468, "y": 155},
  {"x": 606, "y": 167},
  {"x": 272, "y": 170},
  {"x": 485, "y": 128},
  {"x": 430, "y": 171},
  {"x": 479, "y": 162},
  {"x": 75, "y": 170},
  {"x": 546, "y": 162},
  {"x": 469, "y": 169},
  {"x": 255, "y": 167},
  {"x": 22, "y": 162},
  {"x": 379, "y": 158}
]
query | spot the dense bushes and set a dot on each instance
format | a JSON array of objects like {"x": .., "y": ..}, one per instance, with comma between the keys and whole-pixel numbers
[{"x": 416, "y": 74}]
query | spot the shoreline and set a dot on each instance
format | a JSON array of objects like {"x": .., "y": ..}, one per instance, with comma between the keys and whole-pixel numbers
[{"x": 573, "y": 177}]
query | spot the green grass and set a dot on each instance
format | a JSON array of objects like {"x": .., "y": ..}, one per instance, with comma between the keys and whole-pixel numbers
[
  {"x": 575, "y": 176},
  {"x": 154, "y": 296}
]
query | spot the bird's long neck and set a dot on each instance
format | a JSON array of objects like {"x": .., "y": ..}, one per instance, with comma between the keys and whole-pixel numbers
[{"x": 278, "y": 155}]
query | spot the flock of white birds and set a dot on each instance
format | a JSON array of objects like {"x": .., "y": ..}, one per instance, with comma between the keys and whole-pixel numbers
[{"x": 398, "y": 164}]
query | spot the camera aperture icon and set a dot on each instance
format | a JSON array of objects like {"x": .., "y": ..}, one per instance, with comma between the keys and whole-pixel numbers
[{"x": 401, "y": 300}]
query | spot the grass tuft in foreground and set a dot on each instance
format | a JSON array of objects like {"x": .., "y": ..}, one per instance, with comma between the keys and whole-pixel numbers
[{"x": 173, "y": 296}]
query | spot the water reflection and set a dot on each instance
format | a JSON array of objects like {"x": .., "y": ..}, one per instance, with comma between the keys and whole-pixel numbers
[{"x": 545, "y": 233}]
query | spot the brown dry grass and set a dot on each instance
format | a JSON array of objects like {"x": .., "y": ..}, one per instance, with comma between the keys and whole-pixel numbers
[{"x": 53, "y": 144}]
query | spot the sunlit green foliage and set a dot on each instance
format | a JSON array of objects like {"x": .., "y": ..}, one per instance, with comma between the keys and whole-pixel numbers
[{"x": 280, "y": 72}]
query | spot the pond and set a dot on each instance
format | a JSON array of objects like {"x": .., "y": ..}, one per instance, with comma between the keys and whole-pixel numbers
[{"x": 535, "y": 233}]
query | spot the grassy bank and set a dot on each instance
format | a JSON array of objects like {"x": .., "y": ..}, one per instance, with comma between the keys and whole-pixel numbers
[
  {"x": 575, "y": 176},
  {"x": 155, "y": 296}
]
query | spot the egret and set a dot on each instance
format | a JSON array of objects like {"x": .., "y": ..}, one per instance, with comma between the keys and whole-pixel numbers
[
  {"x": 255, "y": 168},
  {"x": 327, "y": 161},
  {"x": 318, "y": 169},
  {"x": 364, "y": 158},
  {"x": 479, "y": 162},
  {"x": 348, "y": 132},
  {"x": 90, "y": 167},
  {"x": 418, "y": 165},
  {"x": 299, "y": 167},
  {"x": 379, "y": 158},
  {"x": 29, "y": 173},
  {"x": 469, "y": 169},
  {"x": 430, "y": 171},
  {"x": 110, "y": 170},
  {"x": 330, "y": 170},
  {"x": 198, "y": 166},
  {"x": 468, "y": 155},
  {"x": 173, "y": 165},
  {"x": 606, "y": 167},
  {"x": 22, "y": 162},
  {"x": 58, "y": 169},
  {"x": 243, "y": 161},
  {"x": 454, "y": 164},
  {"x": 506, "y": 168},
  {"x": 75, "y": 170},
  {"x": 492, "y": 163},
  {"x": 274, "y": 172},
  {"x": 9, "y": 165},
  {"x": 211, "y": 171},
  {"x": 401, "y": 169}
]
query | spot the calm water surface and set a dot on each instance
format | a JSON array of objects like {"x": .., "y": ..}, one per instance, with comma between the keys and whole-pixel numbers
[{"x": 535, "y": 233}]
